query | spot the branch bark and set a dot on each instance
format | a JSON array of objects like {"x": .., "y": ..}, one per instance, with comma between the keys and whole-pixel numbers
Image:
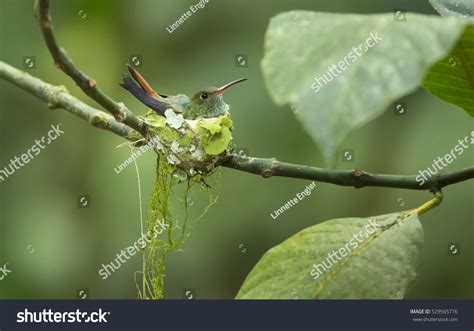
[
  {"x": 356, "y": 178},
  {"x": 87, "y": 84},
  {"x": 58, "y": 97}
]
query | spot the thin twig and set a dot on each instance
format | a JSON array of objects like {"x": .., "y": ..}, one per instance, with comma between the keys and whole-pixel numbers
[
  {"x": 141, "y": 219},
  {"x": 87, "y": 84}
]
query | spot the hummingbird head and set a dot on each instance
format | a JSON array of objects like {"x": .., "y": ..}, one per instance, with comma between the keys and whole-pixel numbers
[{"x": 209, "y": 102}]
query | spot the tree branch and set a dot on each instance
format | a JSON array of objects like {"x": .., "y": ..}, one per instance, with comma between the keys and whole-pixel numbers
[
  {"x": 87, "y": 84},
  {"x": 58, "y": 97},
  {"x": 355, "y": 178}
]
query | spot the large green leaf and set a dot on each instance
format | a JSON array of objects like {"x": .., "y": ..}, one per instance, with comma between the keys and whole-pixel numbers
[
  {"x": 456, "y": 8},
  {"x": 382, "y": 266},
  {"x": 301, "y": 45},
  {"x": 452, "y": 79}
]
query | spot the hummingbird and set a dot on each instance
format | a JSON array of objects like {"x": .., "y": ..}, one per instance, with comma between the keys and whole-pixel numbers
[{"x": 206, "y": 103}]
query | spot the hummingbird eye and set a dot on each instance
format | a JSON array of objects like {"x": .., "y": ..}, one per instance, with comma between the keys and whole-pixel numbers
[{"x": 204, "y": 96}]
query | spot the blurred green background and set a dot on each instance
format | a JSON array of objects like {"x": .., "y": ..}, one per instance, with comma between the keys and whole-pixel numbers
[{"x": 54, "y": 248}]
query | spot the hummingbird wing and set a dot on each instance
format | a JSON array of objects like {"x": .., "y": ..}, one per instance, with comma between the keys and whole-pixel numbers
[
  {"x": 145, "y": 93},
  {"x": 158, "y": 106}
]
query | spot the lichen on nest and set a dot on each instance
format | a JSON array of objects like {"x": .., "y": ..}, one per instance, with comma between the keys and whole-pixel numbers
[{"x": 192, "y": 147}]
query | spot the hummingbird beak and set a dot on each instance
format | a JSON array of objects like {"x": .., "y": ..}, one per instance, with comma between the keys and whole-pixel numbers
[{"x": 221, "y": 89}]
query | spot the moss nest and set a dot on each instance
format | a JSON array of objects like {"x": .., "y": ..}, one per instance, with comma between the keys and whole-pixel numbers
[{"x": 192, "y": 147}]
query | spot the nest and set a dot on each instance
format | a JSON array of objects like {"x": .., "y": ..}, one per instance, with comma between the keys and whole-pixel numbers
[{"x": 191, "y": 147}]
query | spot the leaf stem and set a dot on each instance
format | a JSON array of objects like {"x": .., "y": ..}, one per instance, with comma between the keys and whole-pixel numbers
[{"x": 427, "y": 206}]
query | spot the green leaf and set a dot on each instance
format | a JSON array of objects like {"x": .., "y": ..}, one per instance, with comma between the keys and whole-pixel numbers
[
  {"x": 452, "y": 79},
  {"x": 381, "y": 266},
  {"x": 456, "y": 8},
  {"x": 301, "y": 45},
  {"x": 210, "y": 126},
  {"x": 218, "y": 142}
]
